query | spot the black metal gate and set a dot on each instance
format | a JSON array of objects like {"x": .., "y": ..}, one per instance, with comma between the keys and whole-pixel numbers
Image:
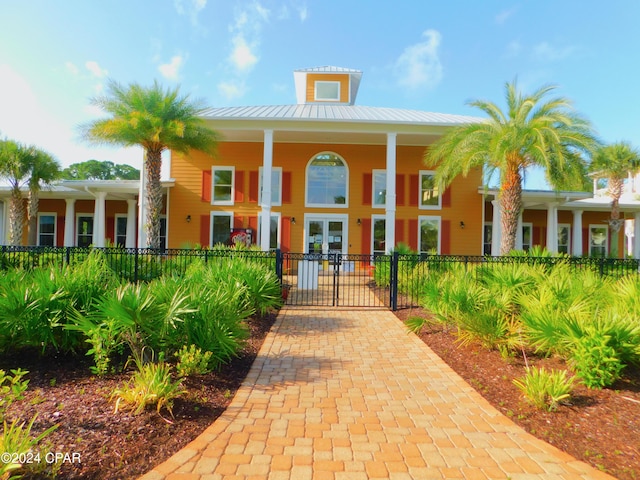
[{"x": 336, "y": 279}]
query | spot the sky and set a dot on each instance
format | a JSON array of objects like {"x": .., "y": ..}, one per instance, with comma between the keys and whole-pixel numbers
[{"x": 427, "y": 55}]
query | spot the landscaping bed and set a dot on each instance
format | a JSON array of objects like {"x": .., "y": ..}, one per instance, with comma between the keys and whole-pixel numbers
[
  {"x": 600, "y": 427},
  {"x": 63, "y": 392}
]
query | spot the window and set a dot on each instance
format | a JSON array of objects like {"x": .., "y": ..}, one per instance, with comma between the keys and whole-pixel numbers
[
  {"x": 120, "y": 231},
  {"x": 598, "y": 240},
  {"x": 378, "y": 235},
  {"x": 276, "y": 186},
  {"x": 564, "y": 238},
  {"x": 84, "y": 230},
  {"x": 429, "y": 234},
  {"x": 327, "y": 181},
  {"x": 527, "y": 236},
  {"x": 274, "y": 236},
  {"x": 221, "y": 224},
  {"x": 487, "y": 238},
  {"x": 163, "y": 232},
  {"x": 430, "y": 197},
  {"x": 222, "y": 178},
  {"x": 47, "y": 229},
  {"x": 327, "y": 91},
  {"x": 379, "y": 188}
]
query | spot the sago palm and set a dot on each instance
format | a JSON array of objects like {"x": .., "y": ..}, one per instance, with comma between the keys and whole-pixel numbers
[
  {"x": 156, "y": 120},
  {"x": 533, "y": 131},
  {"x": 14, "y": 168},
  {"x": 43, "y": 169},
  {"x": 615, "y": 162}
]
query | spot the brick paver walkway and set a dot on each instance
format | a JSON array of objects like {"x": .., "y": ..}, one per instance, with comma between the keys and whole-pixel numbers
[{"x": 348, "y": 394}]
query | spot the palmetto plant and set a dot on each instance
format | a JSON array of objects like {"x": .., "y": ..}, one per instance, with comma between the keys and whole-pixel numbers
[
  {"x": 533, "y": 131},
  {"x": 545, "y": 389},
  {"x": 156, "y": 120}
]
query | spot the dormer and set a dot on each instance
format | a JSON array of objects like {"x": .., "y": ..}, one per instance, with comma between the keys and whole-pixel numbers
[{"x": 327, "y": 85}]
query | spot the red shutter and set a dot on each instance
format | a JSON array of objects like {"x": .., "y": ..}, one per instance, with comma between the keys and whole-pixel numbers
[
  {"x": 365, "y": 230},
  {"x": 413, "y": 234},
  {"x": 585, "y": 242},
  {"x": 285, "y": 234},
  {"x": 414, "y": 190},
  {"x": 400, "y": 190},
  {"x": 367, "y": 179},
  {"x": 205, "y": 230},
  {"x": 206, "y": 186},
  {"x": 110, "y": 230},
  {"x": 60, "y": 231},
  {"x": 253, "y": 224},
  {"x": 445, "y": 237},
  {"x": 536, "y": 237},
  {"x": 238, "y": 222},
  {"x": 286, "y": 187},
  {"x": 253, "y": 186},
  {"x": 399, "y": 231},
  {"x": 446, "y": 198},
  {"x": 238, "y": 196}
]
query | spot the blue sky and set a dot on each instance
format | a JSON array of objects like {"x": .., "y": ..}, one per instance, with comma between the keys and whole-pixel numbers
[{"x": 426, "y": 55}]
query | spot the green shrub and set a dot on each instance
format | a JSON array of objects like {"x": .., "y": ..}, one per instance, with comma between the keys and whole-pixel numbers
[
  {"x": 151, "y": 384},
  {"x": 11, "y": 390},
  {"x": 595, "y": 361},
  {"x": 545, "y": 389},
  {"x": 192, "y": 361},
  {"x": 16, "y": 439}
]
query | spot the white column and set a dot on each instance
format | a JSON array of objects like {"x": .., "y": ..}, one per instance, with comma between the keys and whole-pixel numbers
[
  {"x": 552, "y": 228},
  {"x": 390, "y": 207},
  {"x": 496, "y": 228},
  {"x": 69, "y": 221},
  {"x": 577, "y": 233},
  {"x": 636, "y": 235},
  {"x": 519, "y": 233},
  {"x": 99, "y": 219},
  {"x": 131, "y": 224},
  {"x": 142, "y": 209},
  {"x": 265, "y": 201}
]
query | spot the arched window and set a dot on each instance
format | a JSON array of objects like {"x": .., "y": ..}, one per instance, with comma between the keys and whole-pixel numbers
[{"x": 327, "y": 181}]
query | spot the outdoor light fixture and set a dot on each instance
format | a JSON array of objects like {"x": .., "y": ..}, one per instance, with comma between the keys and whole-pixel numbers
[
  {"x": 188, "y": 219},
  {"x": 293, "y": 220},
  {"x": 461, "y": 224},
  {"x": 359, "y": 222}
]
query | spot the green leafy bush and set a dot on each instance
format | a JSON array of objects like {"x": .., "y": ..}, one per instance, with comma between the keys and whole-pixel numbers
[
  {"x": 545, "y": 389},
  {"x": 11, "y": 389},
  {"x": 151, "y": 384},
  {"x": 16, "y": 439},
  {"x": 595, "y": 361},
  {"x": 192, "y": 361}
]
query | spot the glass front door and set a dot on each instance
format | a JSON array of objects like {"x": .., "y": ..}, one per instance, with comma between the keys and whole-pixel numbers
[{"x": 326, "y": 235}]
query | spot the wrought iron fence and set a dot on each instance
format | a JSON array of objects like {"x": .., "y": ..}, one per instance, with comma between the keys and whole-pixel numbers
[{"x": 394, "y": 281}]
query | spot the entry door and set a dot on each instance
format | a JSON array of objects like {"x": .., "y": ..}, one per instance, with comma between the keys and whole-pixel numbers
[{"x": 326, "y": 235}]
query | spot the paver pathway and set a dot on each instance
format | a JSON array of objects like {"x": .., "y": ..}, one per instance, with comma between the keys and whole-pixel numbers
[{"x": 348, "y": 394}]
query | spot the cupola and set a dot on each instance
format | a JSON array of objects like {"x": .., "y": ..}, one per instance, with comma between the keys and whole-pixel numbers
[{"x": 327, "y": 85}]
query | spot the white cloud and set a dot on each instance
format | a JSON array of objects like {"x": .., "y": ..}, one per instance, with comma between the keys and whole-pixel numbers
[
  {"x": 241, "y": 57},
  {"x": 190, "y": 8},
  {"x": 95, "y": 69},
  {"x": 303, "y": 13},
  {"x": 544, "y": 51},
  {"x": 72, "y": 68},
  {"x": 171, "y": 70},
  {"x": 504, "y": 15},
  {"x": 231, "y": 90},
  {"x": 419, "y": 65}
]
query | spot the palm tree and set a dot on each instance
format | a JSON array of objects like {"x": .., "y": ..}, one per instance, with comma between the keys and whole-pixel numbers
[
  {"x": 615, "y": 162},
  {"x": 534, "y": 131},
  {"x": 43, "y": 169},
  {"x": 156, "y": 120},
  {"x": 15, "y": 169}
]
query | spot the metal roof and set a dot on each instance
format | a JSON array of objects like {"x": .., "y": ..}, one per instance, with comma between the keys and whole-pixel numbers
[
  {"x": 328, "y": 69},
  {"x": 337, "y": 113}
]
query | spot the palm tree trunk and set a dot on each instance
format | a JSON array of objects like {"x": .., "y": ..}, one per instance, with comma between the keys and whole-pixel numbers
[
  {"x": 511, "y": 206},
  {"x": 154, "y": 198},
  {"x": 16, "y": 217},
  {"x": 34, "y": 201},
  {"x": 615, "y": 191}
]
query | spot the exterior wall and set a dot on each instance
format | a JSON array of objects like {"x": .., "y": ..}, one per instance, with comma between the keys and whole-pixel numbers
[
  {"x": 189, "y": 197},
  {"x": 343, "y": 78}
]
